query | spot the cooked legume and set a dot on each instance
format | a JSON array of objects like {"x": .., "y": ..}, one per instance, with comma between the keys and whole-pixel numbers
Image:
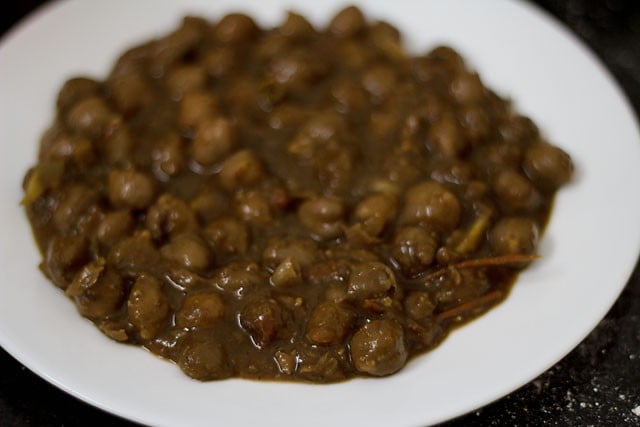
[{"x": 294, "y": 203}]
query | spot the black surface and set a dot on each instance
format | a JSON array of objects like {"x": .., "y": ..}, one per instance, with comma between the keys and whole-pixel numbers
[{"x": 596, "y": 384}]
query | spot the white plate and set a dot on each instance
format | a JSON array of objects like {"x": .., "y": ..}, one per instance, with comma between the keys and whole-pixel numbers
[{"x": 588, "y": 251}]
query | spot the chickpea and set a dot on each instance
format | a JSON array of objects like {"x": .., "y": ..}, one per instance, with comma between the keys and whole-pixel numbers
[
  {"x": 184, "y": 79},
  {"x": 446, "y": 137},
  {"x": 148, "y": 306},
  {"x": 189, "y": 251},
  {"x": 276, "y": 194},
  {"x": 220, "y": 62},
  {"x": 323, "y": 216},
  {"x": 263, "y": 320},
  {"x": 114, "y": 227},
  {"x": 378, "y": 348},
  {"x": 515, "y": 191},
  {"x": 130, "y": 189},
  {"x": 548, "y": 167},
  {"x": 376, "y": 212},
  {"x": 287, "y": 116},
  {"x": 168, "y": 157},
  {"x": 203, "y": 357},
  {"x": 97, "y": 290},
  {"x": 319, "y": 128},
  {"x": 76, "y": 148},
  {"x": 196, "y": 107},
  {"x": 170, "y": 216},
  {"x": 431, "y": 203},
  {"x": 386, "y": 38},
  {"x": 253, "y": 207},
  {"x": 286, "y": 274},
  {"x": 352, "y": 56},
  {"x": 349, "y": 96},
  {"x": 382, "y": 125},
  {"x": 241, "y": 94},
  {"x": 453, "y": 171},
  {"x": 296, "y": 26},
  {"x": 228, "y": 236},
  {"x": 448, "y": 57},
  {"x": 514, "y": 235},
  {"x": 131, "y": 61},
  {"x": 214, "y": 140},
  {"x": 74, "y": 90},
  {"x": 379, "y": 81},
  {"x": 498, "y": 156},
  {"x": 63, "y": 256},
  {"x": 238, "y": 277},
  {"x": 134, "y": 255},
  {"x": 476, "y": 122},
  {"x": 467, "y": 88},
  {"x": 293, "y": 70},
  {"x": 328, "y": 324},
  {"x": 91, "y": 117},
  {"x": 301, "y": 251},
  {"x": 347, "y": 22},
  {"x": 418, "y": 305},
  {"x": 209, "y": 205},
  {"x": 518, "y": 130},
  {"x": 54, "y": 132},
  {"x": 270, "y": 46},
  {"x": 73, "y": 205},
  {"x": 414, "y": 249},
  {"x": 371, "y": 280},
  {"x": 118, "y": 147},
  {"x": 241, "y": 169},
  {"x": 200, "y": 311},
  {"x": 176, "y": 45},
  {"x": 131, "y": 92},
  {"x": 235, "y": 28}
]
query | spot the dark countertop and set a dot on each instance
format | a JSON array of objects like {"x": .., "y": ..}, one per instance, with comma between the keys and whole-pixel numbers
[{"x": 598, "y": 383}]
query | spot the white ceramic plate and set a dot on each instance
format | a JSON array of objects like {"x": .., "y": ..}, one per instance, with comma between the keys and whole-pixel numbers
[{"x": 588, "y": 251}]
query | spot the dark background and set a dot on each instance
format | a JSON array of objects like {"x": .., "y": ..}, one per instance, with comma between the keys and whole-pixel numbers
[{"x": 596, "y": 384}]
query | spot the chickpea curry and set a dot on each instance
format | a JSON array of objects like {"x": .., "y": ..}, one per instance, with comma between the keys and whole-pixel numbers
[{"x": 288, "y": 203}]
